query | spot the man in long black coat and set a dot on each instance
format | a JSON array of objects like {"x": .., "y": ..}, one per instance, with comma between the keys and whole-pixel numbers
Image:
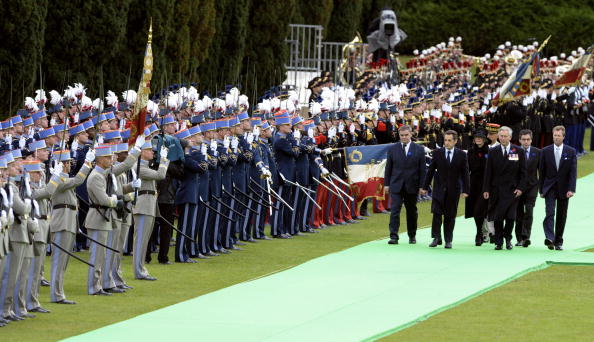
[
  {"x": 505, "y": 180},
  {"x": 450, "y": 168},
  {"x": 526, "y": 202}
]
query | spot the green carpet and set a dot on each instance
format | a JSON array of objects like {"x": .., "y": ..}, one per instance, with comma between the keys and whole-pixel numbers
[{"x": 362, "y": 293}]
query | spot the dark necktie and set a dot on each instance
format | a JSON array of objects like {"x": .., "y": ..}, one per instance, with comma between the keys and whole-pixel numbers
[{"x": 449, "y": 159}]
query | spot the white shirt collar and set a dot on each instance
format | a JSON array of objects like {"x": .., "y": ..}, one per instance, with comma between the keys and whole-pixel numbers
[{"x": 560, "y": 147}]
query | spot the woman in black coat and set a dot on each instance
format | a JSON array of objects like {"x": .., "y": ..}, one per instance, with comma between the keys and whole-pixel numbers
[{"x": 476, "y": 205}]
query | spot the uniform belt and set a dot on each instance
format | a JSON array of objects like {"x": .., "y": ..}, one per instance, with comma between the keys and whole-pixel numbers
[
  {"x": 97, "y": 206},
  {"x": 62, "y": 206},
  {"x": 147, "y": 192},
  {"x": 43, "y": 217}
]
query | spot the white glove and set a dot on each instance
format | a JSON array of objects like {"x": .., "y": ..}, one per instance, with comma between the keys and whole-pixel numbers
[
  {"x": 327, "y": 151},
  {"x": 164, "y": 152},
  {"x": 34, "y": 226},
  {"x": 297, "y": 134},
  {"x": 493, "y": 109},
  {"x": 362, "y": 119},
  {"x": 8, "y": 138},
  {"x": 213, "y": 145},
  {"x": 100, "y": 138},
  {"x": 52, "y": 121},
  {"x": 139, "y": 141},
  {"x": 352, "y": 128},
  {"x": 204, "y": 149},
  {"x": 90, "y": 156},
  {"x": 234, "y": 143},
  {"x": 324, "y": 171},
  {"x": 3, "y": 219},
  {"x": 27, "y": 205},
  {"x": 10, "y": 217},
  {"x": 256, "y": 131},
  {"x": 226, "y": 142},
  {"x": 340, "y": 127},
  {"x": 22, "y": 142},
  {"x": 393, "y": 119},
  {"x": 250, "y": 138},
  {"x": 310, "y": 133},
  {"x": 57, "y": 170},
  {"x": 113, "y": 199},
  {"x": 137, "y": 183},
  {"x": 332, "y": 132}
]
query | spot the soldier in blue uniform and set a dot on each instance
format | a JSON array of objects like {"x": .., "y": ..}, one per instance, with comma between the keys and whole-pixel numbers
[
  {"x": 269, "y": 165},
  {"x": 186, "y": 198},
  {"x": 205, "y": 215},
  {"x": 286, "y": 150},
  {"x": 240, "y": 172}
]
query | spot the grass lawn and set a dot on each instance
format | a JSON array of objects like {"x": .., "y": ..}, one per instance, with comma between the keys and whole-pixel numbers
[
  {"x": 179, "y": 282},
  {"x": 555, "y": 304}
]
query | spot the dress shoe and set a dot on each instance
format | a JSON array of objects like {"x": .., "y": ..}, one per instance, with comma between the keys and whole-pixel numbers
[
  {"x": 478, "y": 241},
  {"x": 2, "y": 324},
  {"x": 149, "y": 278},
  {"x": 211, "y": 253},
  {"x": 288, "y": 236},
  {"x": 352, "y": 222},
  {"x": 412, "y": 241},
  {"x": 13, "y": 318},
  {"x": 115, "y": 290},
  {"x": 393, "y": 242},
  {"x": 281, "y": 236},
  {"x": 526, "y": 243},
  {"x": 519, "y": 243},
  {"x": 498, "y": 247},
  {"x": 27, "y": 315},
  {"x": 4, "y": 321},
  {"x": 201, "y": 256},
  {"x": 239, "y": 243},
  {"x": 509, "y": 245},
  {"x": 491, "y": 238},
  {"x": 125, "y": 287},
  {"x": 385, "y": 212},
  {"x": 549, "y": 244},
  {"x": 40, "y": 310},
  {"x": 235, "y": 248},
  {"x": 360, "y": 218},
  {"x": 435, "y": 242},
  {"x": 298, "y": 234},
  {"x": 448, "y": 245},
  {"x": 165, "y": 263},
  {"x": 559, "y": 248},
  {"x": 189, "y": 261},
  {"x": 66, "y": 301},
  {"x": 323, "y": 226},
  {"x": 223, "y": 251},
  {"x": 264, "y": 237},
  {"x": 44, "y": 282},
  {"x": 101, "y": 293},
  {"x": 251, "y": 240}
]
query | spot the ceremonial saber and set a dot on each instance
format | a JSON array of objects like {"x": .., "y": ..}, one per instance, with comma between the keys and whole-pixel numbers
[
  {"x": 216, "y": 211},
  {"x": 259, "y": 196},
  {"x": 339, "y": 194},
  {"x": 97, "y": 242},
  {"x": 281, "y": 200},
  {"x": 269, "y": 196},
  {"x": 302, "y": 189},
  {"x": 238, "y": 201},
  {"x": 177, "y": 230},
  {"x": 325, "y": 186},
  {"x": 71, "y": 254},
  {"x": 228, "y": 207},
  {"x": 333, "y": 175},
  {"x": 248, "y": 196},
  {"x": 339, "y": 189}
]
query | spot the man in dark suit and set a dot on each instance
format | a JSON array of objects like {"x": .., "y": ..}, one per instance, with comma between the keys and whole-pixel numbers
[
  {"x": 405, "y": 173},
  {"x": 452, "y": 178},
  {"x": 558, "y": 173},
  {"x": 528, "y": 198},
  {"x": 505, "y": 180}
]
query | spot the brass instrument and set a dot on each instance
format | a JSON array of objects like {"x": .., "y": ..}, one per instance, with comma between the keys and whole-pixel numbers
[{"x": 354, "y": 48}]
